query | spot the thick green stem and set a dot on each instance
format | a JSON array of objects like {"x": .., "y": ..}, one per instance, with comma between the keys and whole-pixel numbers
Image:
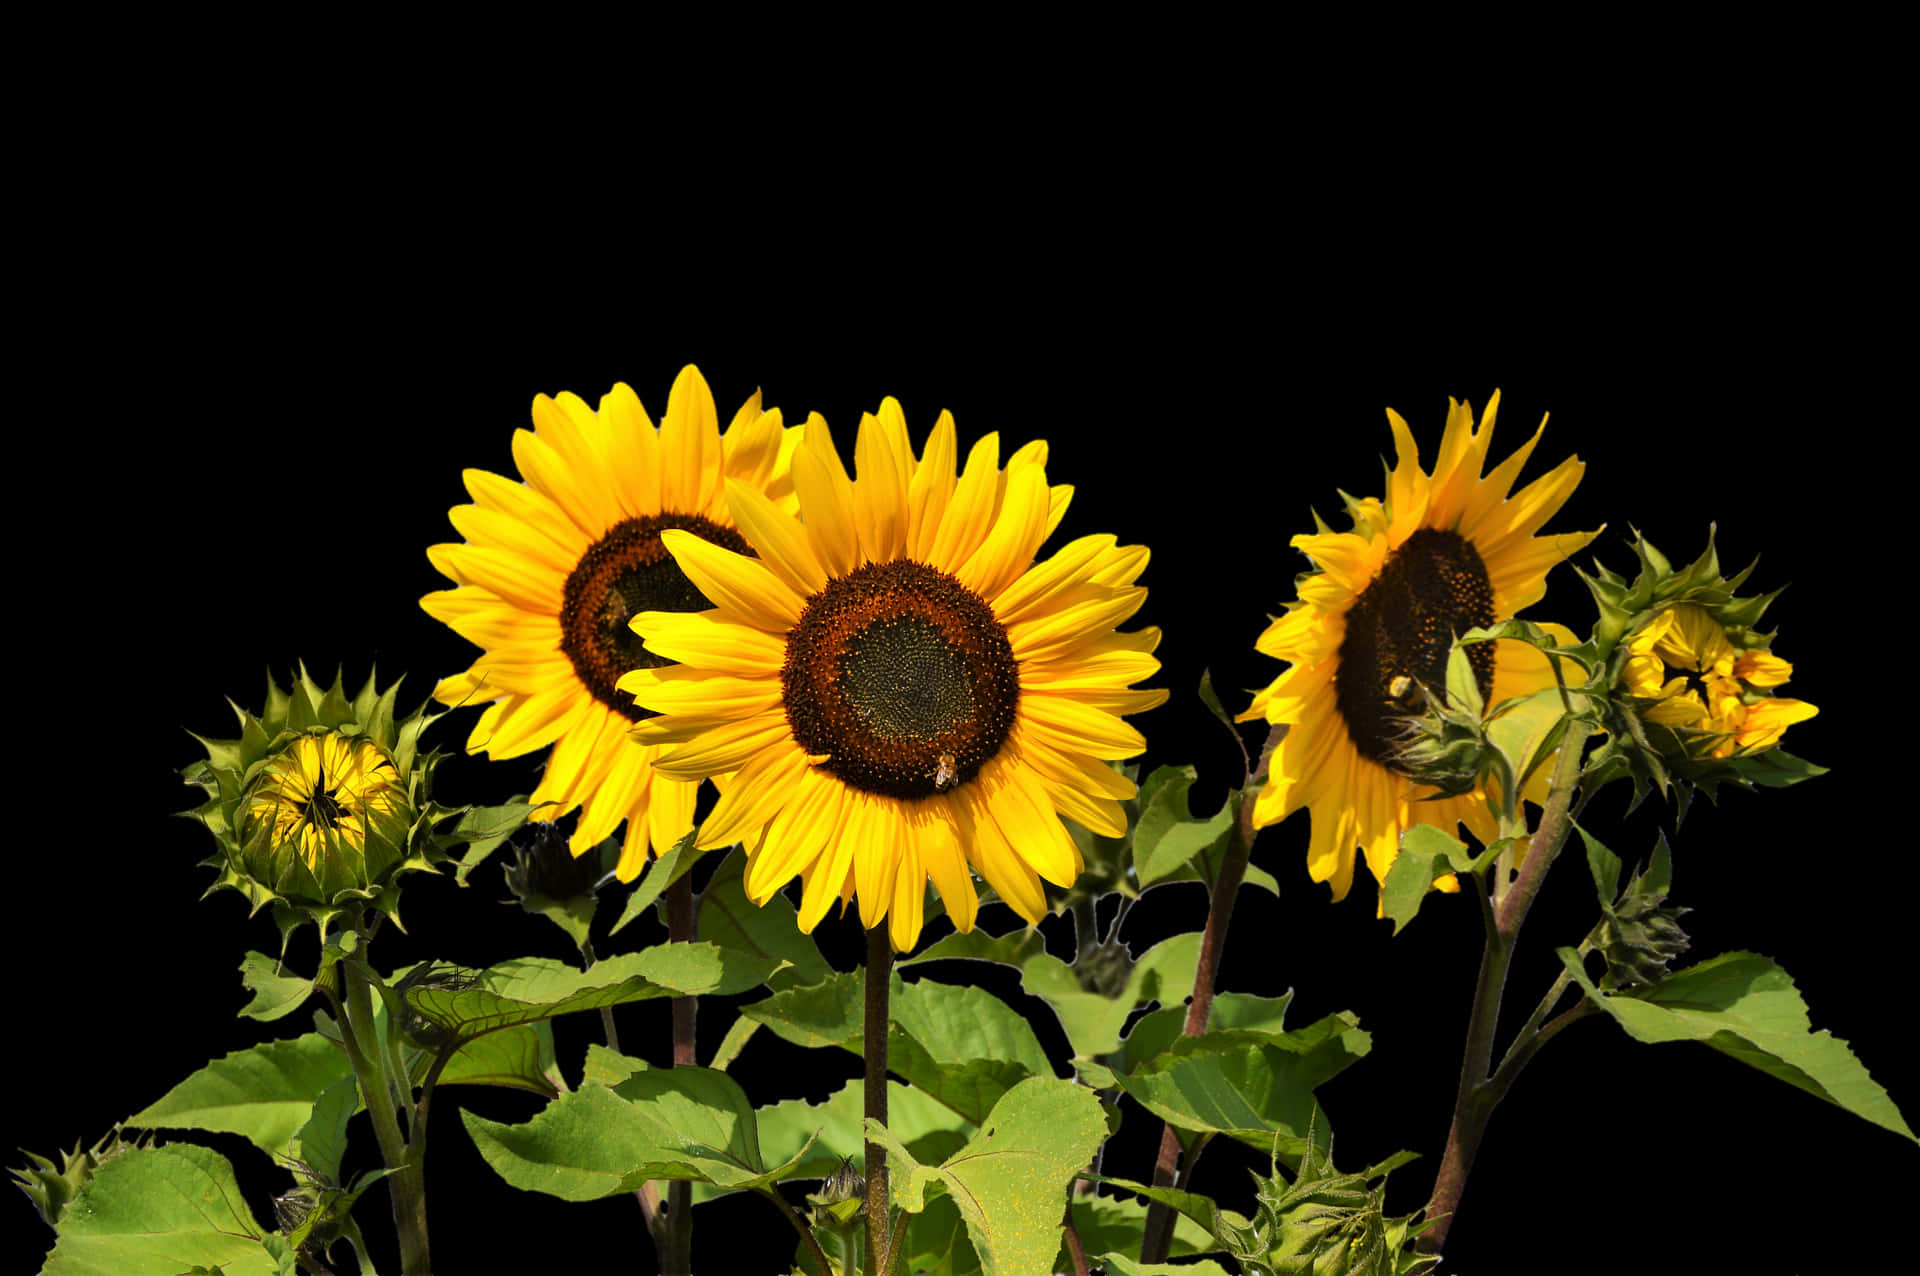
[
  {"x": 806, "y": 1233},
  {"x": 879, "y": 978},
  {"x": 1480, "y": 1094},
  {"x": 1157, "y": 1238},
  {"x": 676, "y": 1257},
  {"x": 407, "y": 1184}
]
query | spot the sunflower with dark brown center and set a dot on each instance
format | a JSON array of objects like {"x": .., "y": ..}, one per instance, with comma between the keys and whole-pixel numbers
[
  {"x": 1441, "y": 554},
  {"x": 555, "y": 569},
  {"x": 903, "y": 694}
]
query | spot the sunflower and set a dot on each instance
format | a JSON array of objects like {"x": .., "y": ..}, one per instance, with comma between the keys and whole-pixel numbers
[
  {"x": 903, "y": 692},
  {"x": 321, "y": 791},
  {"x": 555, "y": 567},
  {"x": 1441, "y": 554},
  {"x": 1694, "y": 678}
]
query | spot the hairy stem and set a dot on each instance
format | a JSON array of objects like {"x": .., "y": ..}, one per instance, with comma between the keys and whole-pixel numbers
[
  {"x": 1157, "y": 1238},
  {"x": 676, "y": 1258},
  {"x": 1479, "y": 1094},
  {"x": 806, "y": 1233},
  {"x": 879, "y": 977},
  {"x": 371, "y": 1068}
]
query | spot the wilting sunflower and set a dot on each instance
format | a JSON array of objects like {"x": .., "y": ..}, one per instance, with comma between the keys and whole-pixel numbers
[
  {"x": 555, "y": 567},
  {"x": 1441, "y": 554},
  {"x": 902, "y": 691}
]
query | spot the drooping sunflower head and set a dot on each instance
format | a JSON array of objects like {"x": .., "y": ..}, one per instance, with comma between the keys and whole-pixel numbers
[
  {"x": 321, "y": 803},
  {"x": 904, "y": 694},
  {"x": 1697, "y": 680},
  {"x": 1370, "y": 633},
  {"x": 555, "y": 568}
]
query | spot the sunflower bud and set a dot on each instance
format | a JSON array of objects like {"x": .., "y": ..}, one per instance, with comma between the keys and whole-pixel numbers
[
  {"x": 50, "y": 1189},
  {"x": 320, "y": 804},
  {"x": 1640, "y": 938},
  {"x": 1693, "y": 682}
]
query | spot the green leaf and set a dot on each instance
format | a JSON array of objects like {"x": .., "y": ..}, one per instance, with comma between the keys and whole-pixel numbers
[
  {"x": 1109, "y": 1226},
  {"x": 609, "y": 1067},
  {"x": 1426, "y": 854},
  {"x": 663, "y": 1123},
  {"x": 1248, "y": 1085},
  {"x": 1010, "y": 1179},
  {"x": 728, "y": 918},
  {"x": 275, "y": 995},
  {"x": 1092, "y": 1022},
  {"x": 1200, "y": 1211},
  {"x": 482, "y": 829},
  {"x": 826, "y": 1132},
  {"x": 1744, "y": 1005},
  {"x": 1232, "y": 1011},
  {"x": 963, "y": 1046},
  {"x": 520, "y": 1058},
  {"x": 660, "y": 874},
  {"x": 1123, "y": 1265},
  {"x": 321, "y": 1143},
  {"x": 265, "y": 1094},
  {"x": 159, "y": 1211},
  {"x": 1168, "y": 834},
  {"x": 530, "y": 989},
  {"x": 1527, "y": 729}
]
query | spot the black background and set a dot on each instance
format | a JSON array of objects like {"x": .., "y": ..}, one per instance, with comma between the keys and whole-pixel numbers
[{"x": 248, "y": 423}]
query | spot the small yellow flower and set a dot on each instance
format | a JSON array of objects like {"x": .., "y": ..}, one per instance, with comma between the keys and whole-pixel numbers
[{"x": 1695, "y": 679}]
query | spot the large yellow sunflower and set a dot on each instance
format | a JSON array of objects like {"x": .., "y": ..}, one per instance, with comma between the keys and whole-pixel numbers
[
  {"x": 903, "y": 692},
  {"x": 1441, "y": 554},
  {"x": 555, "y": 567}
]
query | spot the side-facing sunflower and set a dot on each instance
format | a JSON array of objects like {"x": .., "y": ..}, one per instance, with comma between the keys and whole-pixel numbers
[
  {"x": 555, "y": 567},
  {"x": 902, "y": 690},
  {"x": 1376, "y": 618}
]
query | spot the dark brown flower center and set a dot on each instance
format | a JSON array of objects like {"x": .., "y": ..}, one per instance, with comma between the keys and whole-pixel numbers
[
  {"x": 624, "y": 573},
  {"x": 1399, "y": 632},
  {"x": 902, "y": 677}
]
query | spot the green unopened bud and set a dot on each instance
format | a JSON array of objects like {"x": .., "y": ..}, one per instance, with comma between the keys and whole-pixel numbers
[
  {"x": 545, "y": 868},
  {"x": 321, "y": 804},
  {"x": 1639, "y": 938},
  {"x": 50, "y": 1189}
]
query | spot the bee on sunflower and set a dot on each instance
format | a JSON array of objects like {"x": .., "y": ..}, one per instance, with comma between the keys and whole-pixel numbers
[
  {"x": 553, "y": 569},
  {"x": 1371, "y": 630},
  {"x": 902, "y": 693}
]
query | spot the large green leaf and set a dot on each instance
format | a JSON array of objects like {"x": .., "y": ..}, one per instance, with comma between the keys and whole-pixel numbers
[
  {"x": 1248, "y": 1085},
  {"x": 960, "y": 1045},
  {"x": 265, "y": 1094},
  {"x": 1108, "y": 1225},
  {"x": 520, "y": 1058},
  {"x": 529, "y": 989},
  {"x": 321, "y": 1143},
  {"x": 728, "y": 918},
  {"x": 1092, "y": 1021},
  {"x": 1236, "y": 1011},
  {"x": 159, "y": 1211},
  {"x": 1168, "y": 834},
  {"x": 662, "y": 1123},
  {"x": 834, "y": 1129},
  {"x": 1744, "y": 1005},
  {"x": 1010, "y": 1179}
]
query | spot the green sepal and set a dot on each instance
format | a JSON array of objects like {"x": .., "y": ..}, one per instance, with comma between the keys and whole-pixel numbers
[
  {"x": 1638, "y": 934},
  {"x": 51, "y": 1189}
]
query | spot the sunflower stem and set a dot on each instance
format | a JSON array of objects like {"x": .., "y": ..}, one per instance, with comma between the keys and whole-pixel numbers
[
  {"x": 407, "y": 1184},
  {"x": 1480, "y": 1094},
  {"x": 676, "y": 1258},
  {"x": 879, "y": 978},
  {"x": 1157, "y": 1238}
]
